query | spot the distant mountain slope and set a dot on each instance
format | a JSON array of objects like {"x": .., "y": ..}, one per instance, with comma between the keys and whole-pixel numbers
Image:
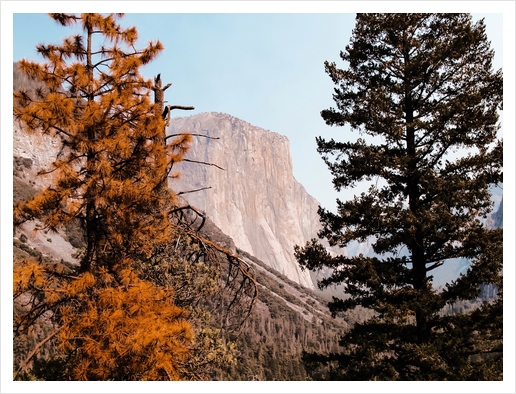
[
  {"x": 287, "y": 319},
  {"x": 255, "y": 200}
]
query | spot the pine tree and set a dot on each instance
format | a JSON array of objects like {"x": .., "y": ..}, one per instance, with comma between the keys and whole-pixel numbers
[
  {"x": 108, "y": 320},
  {"x": 421, "y": 92},
  {"x": 114, "y": 156}
]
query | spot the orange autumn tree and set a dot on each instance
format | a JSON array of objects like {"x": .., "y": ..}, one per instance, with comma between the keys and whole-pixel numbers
[{"x": 109, "y": 176}]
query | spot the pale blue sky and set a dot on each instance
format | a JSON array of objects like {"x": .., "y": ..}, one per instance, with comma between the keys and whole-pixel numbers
[{"x": 267, "y": 69}]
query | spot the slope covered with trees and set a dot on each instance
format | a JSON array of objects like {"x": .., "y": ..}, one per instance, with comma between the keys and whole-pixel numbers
[
  {"x": 286, "y": 320},
  {"x": 420, "y": 91}
]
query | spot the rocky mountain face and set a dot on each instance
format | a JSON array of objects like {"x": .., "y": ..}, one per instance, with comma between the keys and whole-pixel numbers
[
  {"x": 255, "y": 198},
  {"x": 41, "y": 150}
]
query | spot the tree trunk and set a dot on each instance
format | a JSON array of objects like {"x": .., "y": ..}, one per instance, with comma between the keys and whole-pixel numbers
[
  {"x": 90, "y": 217},
  {"x": 416, "y": 243}
]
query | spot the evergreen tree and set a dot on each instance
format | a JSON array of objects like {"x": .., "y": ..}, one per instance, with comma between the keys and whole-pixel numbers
[
  {"x": 421, "y": 92},
  {"x": 108, "y": 320},
  {"x": 114, "y": 157}
]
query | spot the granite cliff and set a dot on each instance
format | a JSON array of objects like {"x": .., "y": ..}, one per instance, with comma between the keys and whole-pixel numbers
[{"x": 255, "y": 199}]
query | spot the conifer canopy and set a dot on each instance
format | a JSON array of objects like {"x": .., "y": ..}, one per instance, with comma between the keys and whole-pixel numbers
[{"x": 421, "y": 103}]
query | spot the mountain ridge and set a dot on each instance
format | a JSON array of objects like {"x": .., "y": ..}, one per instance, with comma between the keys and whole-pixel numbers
[{"x": 256, "y": 199}]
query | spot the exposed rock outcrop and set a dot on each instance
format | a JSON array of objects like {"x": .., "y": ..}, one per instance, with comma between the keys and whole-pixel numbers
[
  {"x": 42, "y": 150},
  {"x": 255, "y": 200}
]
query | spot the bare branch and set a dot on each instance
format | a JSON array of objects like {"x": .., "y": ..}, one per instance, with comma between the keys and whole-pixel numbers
[
  {"x": 203, "y": 162},
  {"x": 36, "y": 350},
  {"x": 434, "y": 266},
  {"x": 191, "y": 208},
  {"x": 183, "y": 107},
  {"x": 168, "y": 109},
  {"x": 194, "y": 135},
  {"x": 193, "y": 191}
]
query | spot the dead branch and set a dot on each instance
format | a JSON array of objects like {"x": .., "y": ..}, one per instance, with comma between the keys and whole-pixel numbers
[
  {"x": 195, "y": 190},
  {"x": 192, "y": 134},
  {"x": 36, "y": 350},
  {"x": 248, "y": 287},
  {"x": 204, "y": 162},
  {"x": 183, "y": 107},
  {"x": 159, "y": 100},
  {"x": 181, "y": 211},
  {"x": 239, "y": 280},
  {"x": 168, "y": 109}
]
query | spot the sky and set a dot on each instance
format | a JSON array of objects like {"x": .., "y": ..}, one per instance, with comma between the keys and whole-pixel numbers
[
  {"x": 266, "y": 69},
  {"x": 262, "y": 62}
]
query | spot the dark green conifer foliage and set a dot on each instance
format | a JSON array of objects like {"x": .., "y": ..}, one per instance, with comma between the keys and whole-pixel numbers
[{"x": 421, "y": 92}]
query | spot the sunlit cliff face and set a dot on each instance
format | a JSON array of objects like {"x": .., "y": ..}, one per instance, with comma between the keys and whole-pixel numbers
[{"x": 255, "y": 200}]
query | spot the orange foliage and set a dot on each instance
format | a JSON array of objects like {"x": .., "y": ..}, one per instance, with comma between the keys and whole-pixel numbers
[
  {"x": 109, "y": 176},
  {"x": 115, "y": 157},
  {"x": 126, "y": 330},
  {"x": 118, "y": 327}
]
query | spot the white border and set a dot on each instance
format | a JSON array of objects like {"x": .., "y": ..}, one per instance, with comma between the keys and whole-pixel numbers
[{"x": 8, "y": 8}]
